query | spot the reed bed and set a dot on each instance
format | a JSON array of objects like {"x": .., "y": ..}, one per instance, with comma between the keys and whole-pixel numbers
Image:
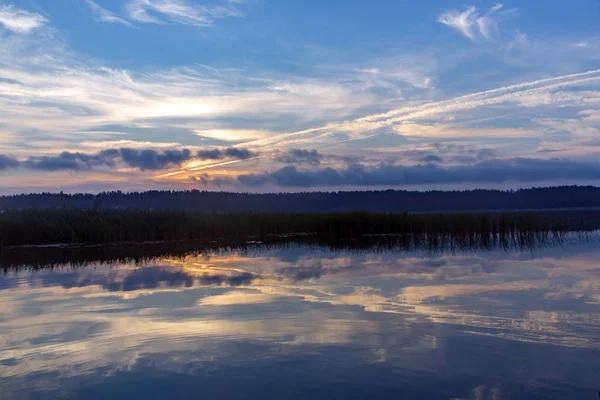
[{"x": 74, "y": 226}]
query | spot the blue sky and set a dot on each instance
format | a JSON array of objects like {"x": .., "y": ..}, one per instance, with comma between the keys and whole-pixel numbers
[{"x": 266, "y": 95}]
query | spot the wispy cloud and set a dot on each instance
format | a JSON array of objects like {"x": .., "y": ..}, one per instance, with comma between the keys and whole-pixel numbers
[
  {"x": 68, "y": 93},
  {"x": 531, "y": 94},
  {"x": 20, "y": 21},
  {"x": 520, "y": 41},
  {"x": 104, "y": 15},
  {"x": 464, "y": 22},
  {"x": 179, "y": 11},
  {"x": 472, "y": 24}
]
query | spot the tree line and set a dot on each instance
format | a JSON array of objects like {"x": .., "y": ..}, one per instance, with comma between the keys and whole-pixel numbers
[{"x": 317, "y": 202}]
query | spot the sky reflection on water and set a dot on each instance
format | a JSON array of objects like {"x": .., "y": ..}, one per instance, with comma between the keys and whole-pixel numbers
[{"x": 305, "y": 323}]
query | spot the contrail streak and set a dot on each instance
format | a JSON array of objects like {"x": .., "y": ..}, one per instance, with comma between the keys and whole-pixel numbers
[
  {"x": 366, "y": 125},
  {"x": 200, "y": 168},
  {"x": 505, "y": 89},
  {"x": 465, "y": 102}
]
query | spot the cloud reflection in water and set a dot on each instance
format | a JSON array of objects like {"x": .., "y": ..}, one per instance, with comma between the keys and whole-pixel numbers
[{"x": 364, "y": 317}]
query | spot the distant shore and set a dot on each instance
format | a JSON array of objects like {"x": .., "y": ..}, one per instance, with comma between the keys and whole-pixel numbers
[{"x": 377, "y": 201}]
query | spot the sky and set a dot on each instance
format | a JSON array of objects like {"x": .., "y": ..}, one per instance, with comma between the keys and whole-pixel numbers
[{"x": 264, "y": 95}]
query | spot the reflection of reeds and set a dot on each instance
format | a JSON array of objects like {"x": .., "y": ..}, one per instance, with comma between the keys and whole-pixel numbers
[
  {"x": 18, "y": 258},
  {"x": 178, "y": 233}
]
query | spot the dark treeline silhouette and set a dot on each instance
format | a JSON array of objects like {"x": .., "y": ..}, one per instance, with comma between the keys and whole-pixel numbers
[
  {"x": 317, "y": 202},
  {"x": 75, "y": 226}
]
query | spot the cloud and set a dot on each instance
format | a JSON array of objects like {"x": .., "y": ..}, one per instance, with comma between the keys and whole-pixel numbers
[
  {"x": 238, "y": 153},
  {"x": 421, "y": 294},
  {"x": 8, "y": 162},
  {"x": 431, "y": 158},
  {"x": 237, "y": 298},
  {"x": 488, "y": 24},
  {"x": 488, "y": 171},
  {"x": 70, "y": 94},
  {"x": 463, "y": 22},
  {"x": 153, "y": 160},
  {"x": 300, "y": 156},
  {"x": 20, "y": 21},
  {"x": 301, "y": 273},
  {"x": 411, "y": 156},
  {"x": 244, "y": 278},
  {"x": 143, "y": 278},
  {"x": 162, "y": 11},
  {"x": 206, "y": 179},
  {"x": 520, "y": 41},
  {"x": 178, "y": 11},
  {"x": 111, "y": 144},
  {"x": 143, "y": 159},
  {"x": 152, "y": 278},
  {"x": 542, "y": 92},
  {"x": 67, "y": 161},
  {"x": 231, "y": 152},
  {"x": 104, "y": 15},
  {"x": 233, "y": 135},
  {"x": 464, "y": 154},
  {"x": 213, "y": 154},
  {"x": 472, "y": 24}
]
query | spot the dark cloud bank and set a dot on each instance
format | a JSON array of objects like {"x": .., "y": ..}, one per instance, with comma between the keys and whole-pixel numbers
[
  {"x": 147, "y": 159},
  {"x": 480, "y": 167},
  {"x": 299, "y": 156},
  {"x": 8, "y": 162},
  {"x": 488, "y": 171},
  {"x": 232, "y": 152}
]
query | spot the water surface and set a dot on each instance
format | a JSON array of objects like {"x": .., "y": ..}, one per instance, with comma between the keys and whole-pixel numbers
[{"x": 298, "y": 322}]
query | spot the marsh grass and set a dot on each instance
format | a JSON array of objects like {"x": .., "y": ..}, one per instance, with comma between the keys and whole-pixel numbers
[
  {"x": 73, "y": 226},
  {"x": 88, "y": 236}
]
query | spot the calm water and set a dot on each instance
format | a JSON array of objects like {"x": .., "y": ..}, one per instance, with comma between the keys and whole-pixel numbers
[{"x": 299, "y": 323}]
